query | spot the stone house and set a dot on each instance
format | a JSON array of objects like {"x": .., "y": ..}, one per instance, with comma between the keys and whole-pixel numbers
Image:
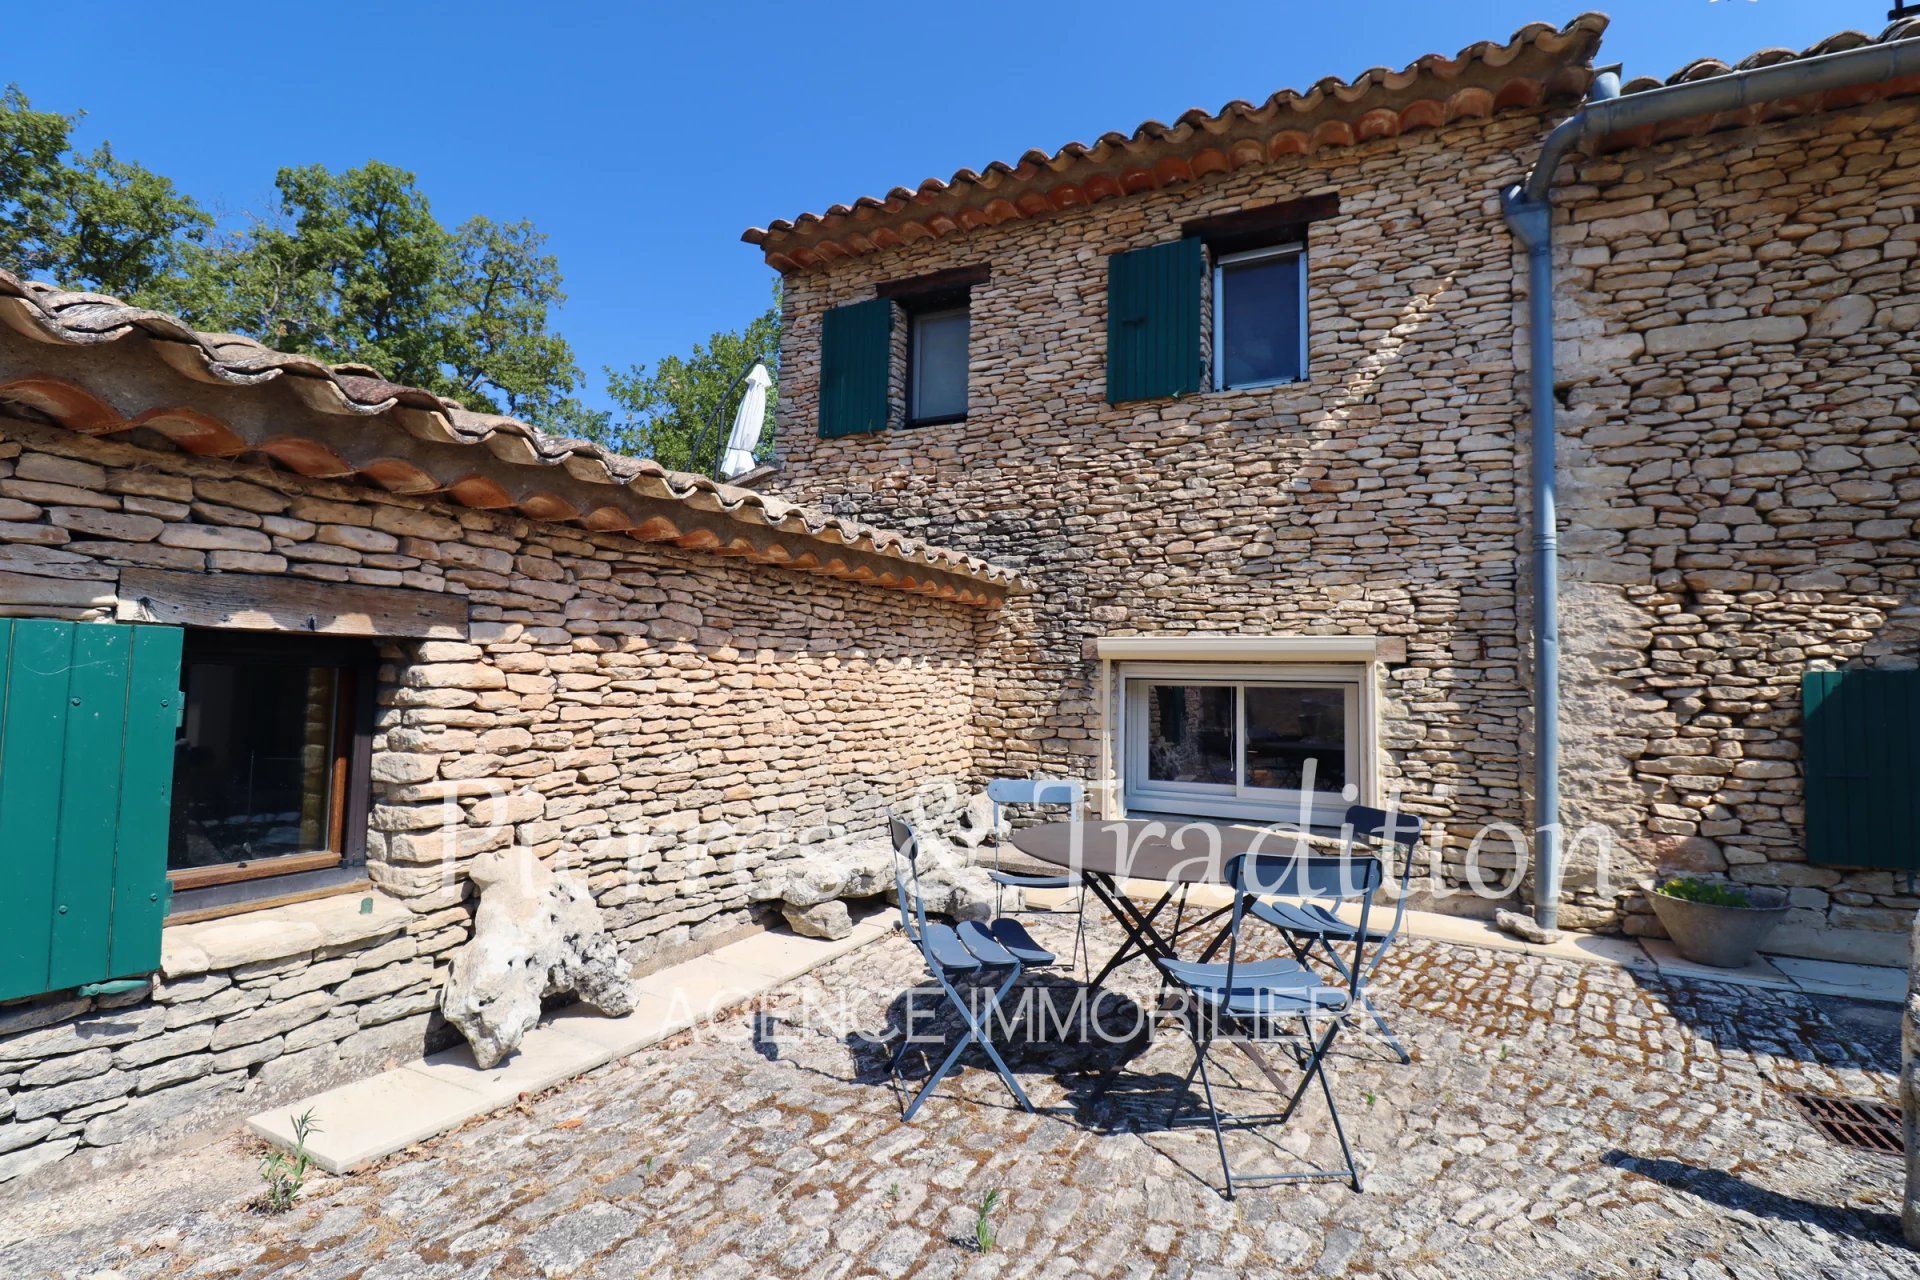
[
  {"x": 1245, "y": 396},
  {"x": 1229, "y": 419},
  {"x": 405, "y": 634}
]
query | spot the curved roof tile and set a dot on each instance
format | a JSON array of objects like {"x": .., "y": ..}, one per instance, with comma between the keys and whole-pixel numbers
[
  {"x": 1839, "y": 42},
  {"x": 1539, "y": 59},
  {"x": 75, "y": 319}
]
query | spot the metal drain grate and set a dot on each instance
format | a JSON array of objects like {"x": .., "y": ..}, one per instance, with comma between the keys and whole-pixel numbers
[{"x": 1855, "y": 1122}]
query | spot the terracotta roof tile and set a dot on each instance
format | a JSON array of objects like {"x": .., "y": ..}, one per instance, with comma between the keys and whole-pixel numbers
[
  {"x": 1536, "y": 63},
  {"x": 59, "y": 317},
  {"x": 1712, "y": 68},
  {"x": 1840, "y": 42}
]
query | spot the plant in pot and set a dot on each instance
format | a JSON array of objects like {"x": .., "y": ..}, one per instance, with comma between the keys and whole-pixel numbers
[{"x": 1715, "y": 923}]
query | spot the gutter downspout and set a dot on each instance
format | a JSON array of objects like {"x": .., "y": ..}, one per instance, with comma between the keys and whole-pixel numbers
[{"x": 1528, "y": 210}]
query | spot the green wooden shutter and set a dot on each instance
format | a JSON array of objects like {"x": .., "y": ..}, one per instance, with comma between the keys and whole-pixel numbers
[
  {"x": 856, "y": 359},
  {"x": 87, "y": 719},
  {"x": 1858, "y": 747},
  {"x": 1153, "y": 321}
]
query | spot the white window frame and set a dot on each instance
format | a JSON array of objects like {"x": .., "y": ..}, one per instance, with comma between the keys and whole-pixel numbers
[
  {"x": 1220, "y": 265},
  {"x": 1263, "y": 804},
  {"x": 916, "y": 355}
]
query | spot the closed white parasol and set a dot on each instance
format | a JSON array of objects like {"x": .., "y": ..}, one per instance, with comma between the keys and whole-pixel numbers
[{"x": 747, "y": 424}]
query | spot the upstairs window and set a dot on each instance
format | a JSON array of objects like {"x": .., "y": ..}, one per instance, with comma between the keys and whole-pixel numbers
[
  {"x": 1260, "y": 317},
  {"x": 1163, "y": 338},
  {"x": 937, "y": 366}
]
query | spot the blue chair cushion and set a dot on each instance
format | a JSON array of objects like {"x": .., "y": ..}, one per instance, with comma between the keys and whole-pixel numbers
[
  {"x": 1268, "y": 971},
  {"x": 1017, "y": 881},
  {"x": 943, "y": 948},
  {"x": 1308, "y": 918},
  {"x": 1269, "y": 988},
  {"x": 1278, "y": 1003},
  {"x": 1013, "y": 935},
  {"x": 1000, "y": 944}
]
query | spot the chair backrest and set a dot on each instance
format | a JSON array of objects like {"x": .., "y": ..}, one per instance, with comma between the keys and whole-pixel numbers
[
  {"x": 1347, "y": 878},
  {"x": 1065, "y": 791},
  {"x": 1387, "y": 828},
  {"x": 906, "y": 868},
  {"x": 1288, "y": 875}
]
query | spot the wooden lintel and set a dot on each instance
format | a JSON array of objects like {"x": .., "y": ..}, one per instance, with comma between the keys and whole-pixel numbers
[{"x": 257, "y": 602}]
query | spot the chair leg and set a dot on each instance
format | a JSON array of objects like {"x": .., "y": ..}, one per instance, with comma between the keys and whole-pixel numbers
[
  {"x": 1313, "y": 1066},
  {"x": 1333, "y": 1109},
  {"x": 1392, "y": 1040},
  {"x": 1080, "y": 933},
  {"x": 986, "y": 1041},
  {"x": 933, "y": 1080},
  {"x": 1213, "y": 1113},
  {"x": 900, "y": 1054},
  {"x": 974, "y": 1034}
]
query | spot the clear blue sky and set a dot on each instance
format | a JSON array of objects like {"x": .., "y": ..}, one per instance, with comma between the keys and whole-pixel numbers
[{"x": 643, "y": 138}]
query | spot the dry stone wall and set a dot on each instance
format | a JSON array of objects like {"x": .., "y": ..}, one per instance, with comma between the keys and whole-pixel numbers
[
  {"x": 1376, "y": 497},
  {"x": 667, "y": 721},
  {"x": 1742, "y": 325}
]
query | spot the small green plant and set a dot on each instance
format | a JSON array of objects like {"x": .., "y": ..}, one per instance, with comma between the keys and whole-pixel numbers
[
  {"x": 285, "y": 1172},
  {"x": 1710, "y": 892},
  {"x": 983, "y": 1221},
  {"x": 893, "y": 1191},
  {"x": 1368, "y": 1095},
  {"x": 649, "y": 1166}
]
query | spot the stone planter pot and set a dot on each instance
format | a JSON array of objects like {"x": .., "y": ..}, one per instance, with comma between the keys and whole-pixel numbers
[{"x": 1724, "y": 937}]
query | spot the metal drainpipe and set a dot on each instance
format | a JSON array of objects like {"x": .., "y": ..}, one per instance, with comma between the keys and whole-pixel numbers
[{"x": 1528, "y": 210}]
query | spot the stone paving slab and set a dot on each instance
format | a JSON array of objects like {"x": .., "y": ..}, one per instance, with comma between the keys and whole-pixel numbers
[
  {"x": 547, "y": 1055},
  {"x": 1855, "y": 981},
  {"x": 1762, "y": 972},
  {"x": 373, "y": 1118},
  {"x": 368, "y": 1120}
]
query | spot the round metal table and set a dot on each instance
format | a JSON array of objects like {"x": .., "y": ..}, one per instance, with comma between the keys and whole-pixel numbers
[
  {"x": 1171, "y": 851},
  {"x": 1177, "y": 853}
]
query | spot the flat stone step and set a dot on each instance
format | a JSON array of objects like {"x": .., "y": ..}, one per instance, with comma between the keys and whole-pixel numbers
[{"x": 368, "y": 1120}]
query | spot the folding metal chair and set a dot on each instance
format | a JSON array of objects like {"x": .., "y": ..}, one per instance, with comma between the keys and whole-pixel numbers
[
  {"x": 1275, "y": 998},
  {"x": 971, "y": 952},
  {"x": 1066, "y": 791},
  {"x": 1310, "y": 924}
]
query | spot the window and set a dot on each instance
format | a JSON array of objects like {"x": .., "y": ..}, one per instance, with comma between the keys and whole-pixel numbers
[
  {"x": 1260, "y": 317},
  {"x": 937, "y": 366},
  {"x": 266, "y": 780},
  {"x": 1253, "y": 745}
]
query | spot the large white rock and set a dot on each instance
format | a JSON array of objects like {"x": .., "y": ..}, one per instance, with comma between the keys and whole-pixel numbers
[
  {"x": 823, "y": 920},
  {"x": 974, "y": 825},
  {"x": 807, "y": 888},
  {"x": 536, "y": 934}
]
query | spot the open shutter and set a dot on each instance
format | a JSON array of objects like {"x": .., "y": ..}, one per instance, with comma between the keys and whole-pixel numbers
[
  {"x": 1858, "y": 747},
  {"x": 1153, "y": 321},
  {"x": 87, "y": 719},
  {"x": 856, "y": 358}
]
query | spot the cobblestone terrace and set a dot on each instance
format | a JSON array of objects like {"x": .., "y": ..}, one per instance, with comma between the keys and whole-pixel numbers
[{"x": 1557, "y": 1120}]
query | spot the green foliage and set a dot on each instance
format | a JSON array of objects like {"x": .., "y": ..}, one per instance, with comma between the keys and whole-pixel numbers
[
  {"x": 680, "y": 412},
  {"x": 285, "y": 1172},
  {"x": 983, "y": 1221},
  {"x": 1710, "y": 892},
  {"x": 90, "y": 220},
  {"x": 354, "y": 268}
]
